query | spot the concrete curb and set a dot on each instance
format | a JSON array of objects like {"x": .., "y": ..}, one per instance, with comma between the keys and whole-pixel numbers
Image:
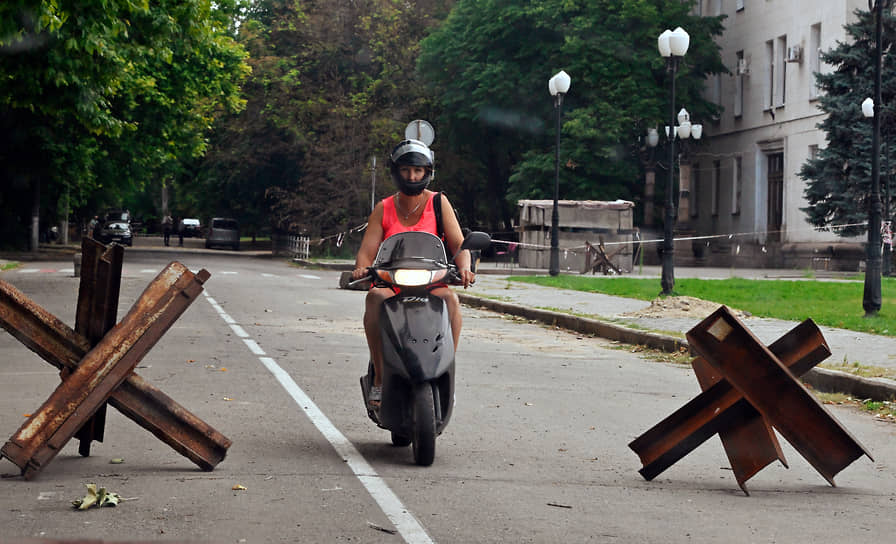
[{"x": 821, "y": 379}]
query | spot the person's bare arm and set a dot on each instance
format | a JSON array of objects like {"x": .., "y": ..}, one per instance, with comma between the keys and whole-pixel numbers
[
  {"x": 370, "y": 244},
  {"x": 454, "y": 237}
]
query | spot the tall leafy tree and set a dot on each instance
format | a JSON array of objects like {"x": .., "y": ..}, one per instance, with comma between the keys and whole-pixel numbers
[
  {"x": 105, "y": 96},
  {"x": 333, "y": 85},
  {"x": 488, "y": 66},
  {"x": 838, "y": 180}
]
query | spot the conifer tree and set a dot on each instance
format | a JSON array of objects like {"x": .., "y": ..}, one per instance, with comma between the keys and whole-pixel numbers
[{"x": 838, "y": 187}]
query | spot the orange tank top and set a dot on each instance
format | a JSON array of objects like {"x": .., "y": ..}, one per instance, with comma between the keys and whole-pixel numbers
[{"x": 391, "y": 224}]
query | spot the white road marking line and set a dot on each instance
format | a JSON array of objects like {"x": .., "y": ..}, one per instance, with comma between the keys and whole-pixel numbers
[
  {"x": 266, "y": 275},
  {"x": 28, "y": 271},
  {"x": 404, "y": 521},
  {"x": 149, "y": 271},
  {"x": 228, "y": 272},
  {"x": 66, "y": 270},
  {"x": 309, "y": 276},
  {"x": 239, "y": 330},
  {"x": 253, "y": 346}
]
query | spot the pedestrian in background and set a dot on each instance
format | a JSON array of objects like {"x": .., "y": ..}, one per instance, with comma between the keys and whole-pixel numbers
[{"x": 167, "y": 223}]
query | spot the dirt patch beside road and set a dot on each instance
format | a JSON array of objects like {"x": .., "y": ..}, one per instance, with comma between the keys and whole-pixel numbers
[{"x": 682, "y": 307}]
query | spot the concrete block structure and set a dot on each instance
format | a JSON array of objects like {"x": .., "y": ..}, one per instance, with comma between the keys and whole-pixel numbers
[{"x": 580, "y": 221}]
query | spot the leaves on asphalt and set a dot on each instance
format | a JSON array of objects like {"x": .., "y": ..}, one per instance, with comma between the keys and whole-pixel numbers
[{"x": 97, "y": 497}]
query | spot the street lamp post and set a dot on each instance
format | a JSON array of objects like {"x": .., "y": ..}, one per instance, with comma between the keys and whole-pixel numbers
[
  {"x": 558, "y": 85},
  {"x": 651, "y": 140},
  {"x": 684, "y": 132},
  {"x": 871, "y": 297},
  {"x": 673, "y": 44}
]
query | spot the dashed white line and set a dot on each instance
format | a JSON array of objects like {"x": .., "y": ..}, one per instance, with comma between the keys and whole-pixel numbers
[
  {"x": 309, "y": 276},
  {"x": 404, "y": 521}
]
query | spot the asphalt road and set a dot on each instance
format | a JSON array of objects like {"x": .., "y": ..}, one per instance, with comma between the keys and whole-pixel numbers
[{"x": 536, "y": 451}]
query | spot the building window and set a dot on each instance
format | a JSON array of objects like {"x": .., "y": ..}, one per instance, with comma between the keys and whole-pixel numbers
[
  {"x": 814, "y": 54},
  {"x": 715, "y": 91},
  {"x": 716, "y": 175},
  {"x": 739, "y": 5},
  {"x": 717, "y": 7},
  {"x": 695, "y": 191},
  {"x": 768, "y": 99},
  {"x": 736, "y": 186},
  {"x": 781, "y": 72},
  {"x": 740, "y": 71}
]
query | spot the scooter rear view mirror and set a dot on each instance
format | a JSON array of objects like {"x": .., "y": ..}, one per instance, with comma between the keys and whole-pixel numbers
[{"x": 475, "y": 240}]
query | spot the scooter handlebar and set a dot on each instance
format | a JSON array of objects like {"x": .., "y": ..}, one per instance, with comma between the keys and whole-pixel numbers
[{"x": 371, "y": 275}]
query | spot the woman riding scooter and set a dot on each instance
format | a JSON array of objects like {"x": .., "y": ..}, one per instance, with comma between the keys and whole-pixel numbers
[{"x": 410, "y": 209}]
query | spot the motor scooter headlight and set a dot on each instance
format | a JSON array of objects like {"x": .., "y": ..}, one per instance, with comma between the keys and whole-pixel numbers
[{"x": 412, "y": 277}]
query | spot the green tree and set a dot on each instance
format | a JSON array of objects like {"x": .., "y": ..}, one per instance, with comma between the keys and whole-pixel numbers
[
  {"x": 107, "y": 96},
  {"x": 488, "y": 66},
  {"x": 333, "y": 85},
  {"x": 838, "y": 180}
]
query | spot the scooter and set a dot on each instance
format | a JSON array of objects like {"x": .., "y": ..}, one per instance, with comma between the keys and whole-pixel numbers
[{"x": 418, "y": 347}]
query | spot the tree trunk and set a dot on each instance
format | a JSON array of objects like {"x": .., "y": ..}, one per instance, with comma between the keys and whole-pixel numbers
[{"x": 35, "y": 215}]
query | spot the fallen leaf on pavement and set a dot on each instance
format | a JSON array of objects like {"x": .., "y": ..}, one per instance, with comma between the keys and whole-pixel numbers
[{"x": 96, "y": 497}]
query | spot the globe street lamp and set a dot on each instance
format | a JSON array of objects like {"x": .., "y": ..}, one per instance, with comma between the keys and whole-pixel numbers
[
  {"x": 558, "y": 85},
  {"x": 685, "y": 131},
  {"x": 871, "y": 297},
  {"x": 673, "y": 44}
]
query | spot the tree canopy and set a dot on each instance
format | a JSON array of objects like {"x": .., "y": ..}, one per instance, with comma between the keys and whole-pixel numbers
[
  {"x": 838, "y": 187},
  {"x": 487, "y": 68},
  {"x": 333, "y": 86},
  {"x": 103, "y": 98}
]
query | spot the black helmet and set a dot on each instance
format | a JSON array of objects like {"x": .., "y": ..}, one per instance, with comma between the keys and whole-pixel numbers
[{"x": 411, "y": 153}]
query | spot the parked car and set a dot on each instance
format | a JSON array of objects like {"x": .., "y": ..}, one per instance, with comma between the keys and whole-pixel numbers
[
  {"x": 191, "y": 228},
  {"x": 116, "y": 231},
  {"x": 223, "y": 231}
]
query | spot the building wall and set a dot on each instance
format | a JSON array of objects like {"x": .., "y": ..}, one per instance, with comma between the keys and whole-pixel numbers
[{"x": 779, "y": 114}]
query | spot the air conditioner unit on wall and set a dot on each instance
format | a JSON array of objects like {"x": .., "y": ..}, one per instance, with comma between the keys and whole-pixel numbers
[
  {"x": 794, "y": 53},
  {"x": 742, "y": 68}
]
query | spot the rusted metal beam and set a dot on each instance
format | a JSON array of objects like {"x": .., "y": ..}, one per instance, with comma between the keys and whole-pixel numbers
[
  {"x": 97, "y": 313},
  {"x": 39, "y": 330},
  {"x": 775, "y": 393},
  {"x": 103, "y": 369},
  {"x": 136, "y": 398},
  {"x": 747, "y": 438}
]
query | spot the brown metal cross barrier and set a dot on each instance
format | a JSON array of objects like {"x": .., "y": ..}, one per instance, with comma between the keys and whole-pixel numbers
[
  {"x": 97, "y": 313},
  {"x": 747, "y": 390},
  {"x": 105, "y": 372}
]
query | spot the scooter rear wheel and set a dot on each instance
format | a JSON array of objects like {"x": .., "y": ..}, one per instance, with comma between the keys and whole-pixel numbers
[{"x": 424, "y": 438}]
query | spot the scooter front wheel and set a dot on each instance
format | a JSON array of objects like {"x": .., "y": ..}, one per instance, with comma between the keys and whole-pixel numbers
[
  {"x": 400, "y": 440},
  {"x": 424, "y": 433}
]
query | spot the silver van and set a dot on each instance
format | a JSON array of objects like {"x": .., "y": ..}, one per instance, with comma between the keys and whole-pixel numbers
[{"x": 223, "y": 231}]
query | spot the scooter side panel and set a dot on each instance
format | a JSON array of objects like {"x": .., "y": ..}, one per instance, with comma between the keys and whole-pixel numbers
[{"x": 417, "y": 347}]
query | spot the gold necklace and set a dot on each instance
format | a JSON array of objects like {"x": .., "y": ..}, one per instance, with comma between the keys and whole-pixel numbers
[{"x": 408, "y": 215}]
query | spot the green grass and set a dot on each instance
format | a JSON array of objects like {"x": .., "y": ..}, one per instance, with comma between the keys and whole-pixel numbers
[
  {"x": 9, "y": 266},
  {"x": 834, "y": 304}
]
